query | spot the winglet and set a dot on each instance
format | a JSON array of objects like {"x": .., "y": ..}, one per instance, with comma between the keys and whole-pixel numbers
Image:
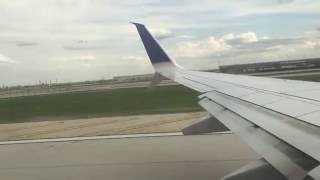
[{"x": 155, "y": 52}]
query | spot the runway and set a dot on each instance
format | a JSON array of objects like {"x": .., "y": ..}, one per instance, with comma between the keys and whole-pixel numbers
[{"x": 122, "y": 158}]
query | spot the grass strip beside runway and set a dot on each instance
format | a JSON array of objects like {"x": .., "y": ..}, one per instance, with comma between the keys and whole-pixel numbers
[
  {"x": 313, "y": 77},
  {"x": 117, "y": 102}
]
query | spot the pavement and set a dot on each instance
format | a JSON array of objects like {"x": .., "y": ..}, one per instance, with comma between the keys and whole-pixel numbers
[
  {"x": 105, "y": 126},
  {"x": 166, "y": 156},
  {"x": 140, "y": 147}
]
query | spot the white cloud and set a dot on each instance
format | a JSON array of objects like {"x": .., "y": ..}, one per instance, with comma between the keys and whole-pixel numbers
[
  {"x": 276, "y": 47},
  {"x": 248, "y": 37},
  {"x": 7, "y": 60},
  {"x": 162, "y": 33},
  {"x": 311, "y": 44},
  {"x": 214, "y": 45},
  {"x": 85, "y": 58},
  {"x": 244, "y": 37},
  {"x": 236, "y": 8},
  {"x": 202, "y": 48},
  {"x": 265, "y": 7},
  {"x": 133, "y": 58},
  {"x": 246, "y": 48}
]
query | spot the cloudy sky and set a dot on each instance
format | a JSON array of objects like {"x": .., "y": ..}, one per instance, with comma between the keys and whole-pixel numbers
[{"x": 76, "y": 40}]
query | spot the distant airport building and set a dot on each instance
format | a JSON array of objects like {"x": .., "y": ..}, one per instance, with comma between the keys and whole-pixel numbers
[
  {"x": 271, "y": 66},
  {"x": 133, "y": 78}
]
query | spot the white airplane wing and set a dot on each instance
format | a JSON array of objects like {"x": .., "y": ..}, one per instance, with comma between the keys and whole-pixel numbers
[{"x": 279, "y": 119}]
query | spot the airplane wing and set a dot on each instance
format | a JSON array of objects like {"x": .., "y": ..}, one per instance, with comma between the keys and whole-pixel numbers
[{"x": 279, "y": 119}]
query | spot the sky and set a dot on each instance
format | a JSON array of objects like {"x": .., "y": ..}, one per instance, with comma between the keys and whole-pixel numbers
[{"x": 79, "y": 40}]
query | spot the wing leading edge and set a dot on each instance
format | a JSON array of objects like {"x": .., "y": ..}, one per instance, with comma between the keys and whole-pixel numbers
[{"x": 279, "y": 119}]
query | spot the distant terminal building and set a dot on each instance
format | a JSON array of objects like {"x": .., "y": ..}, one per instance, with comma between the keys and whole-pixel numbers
[{"x": 271, "y": 66}]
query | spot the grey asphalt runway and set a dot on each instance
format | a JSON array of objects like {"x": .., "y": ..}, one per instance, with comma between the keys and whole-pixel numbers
[{"x": 201, "y": 157}]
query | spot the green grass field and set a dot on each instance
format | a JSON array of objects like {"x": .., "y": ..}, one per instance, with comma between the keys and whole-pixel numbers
[
  {"x": 315, "y": 78},
  {"x": 133, "y": 101}
]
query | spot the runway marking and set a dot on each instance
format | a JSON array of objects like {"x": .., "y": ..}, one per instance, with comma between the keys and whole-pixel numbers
[
  {"x": 90, "y": 138},
  {"x": 101, "y": 137}
]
